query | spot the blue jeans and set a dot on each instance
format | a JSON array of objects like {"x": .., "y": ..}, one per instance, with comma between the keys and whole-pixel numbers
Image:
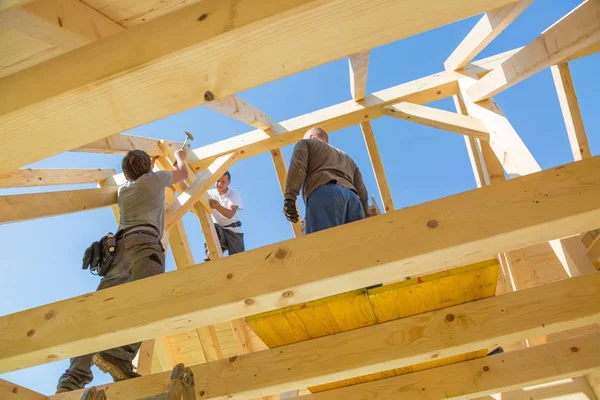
[{"x": 331, "y": 205}]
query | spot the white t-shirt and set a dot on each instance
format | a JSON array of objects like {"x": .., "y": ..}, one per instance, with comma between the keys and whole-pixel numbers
[{"x": 227, "y": 200}]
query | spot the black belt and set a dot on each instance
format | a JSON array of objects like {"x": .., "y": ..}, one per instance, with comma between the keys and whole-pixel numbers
[
  {"x": 234, "y": 225},
  {"x": 334, "y": 182},
  {"x": 136, "y": 229}
]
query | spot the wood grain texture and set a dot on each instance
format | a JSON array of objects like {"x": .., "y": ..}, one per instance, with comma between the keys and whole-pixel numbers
[
  {"x": 377, "y": 164},
  {"x": 576, "y": 31},
  {"x": 22, "y": 207},
  {"x": 105, "y": 95},
  {"x": 359, "y": 66},
  {"x": 11, "y": 391},
  {"x": 395, "y": 344},
  {"x": 557, "y": 202},
  {"x": 43, "y": 177},
  {"x": 121, "y": 144},
  {"x": 239, "y": 109},
  {"x": 485, "y": 376}
]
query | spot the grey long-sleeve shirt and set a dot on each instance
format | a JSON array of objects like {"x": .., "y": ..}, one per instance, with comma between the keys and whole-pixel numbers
[{"x": 315, "y": 163}]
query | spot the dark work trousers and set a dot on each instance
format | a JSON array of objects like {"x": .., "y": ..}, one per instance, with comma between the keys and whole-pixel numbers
[
  {"x": 331, "y": 205},
  {"x": 233, "y": 242},
  {"x": 139, "y": 255}
]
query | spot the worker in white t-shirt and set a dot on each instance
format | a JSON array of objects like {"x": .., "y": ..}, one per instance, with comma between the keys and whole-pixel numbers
[{"x": 225, "y": 203}]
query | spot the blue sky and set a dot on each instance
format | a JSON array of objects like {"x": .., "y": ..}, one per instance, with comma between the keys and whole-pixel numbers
[{"x": 42, "y": 257}]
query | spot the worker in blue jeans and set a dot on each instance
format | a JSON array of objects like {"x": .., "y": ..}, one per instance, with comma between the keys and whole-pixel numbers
[{"x": 332, "y": 185}]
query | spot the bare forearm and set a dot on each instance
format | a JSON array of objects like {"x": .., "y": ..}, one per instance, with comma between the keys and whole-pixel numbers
[{"x": 226, "y": 212}]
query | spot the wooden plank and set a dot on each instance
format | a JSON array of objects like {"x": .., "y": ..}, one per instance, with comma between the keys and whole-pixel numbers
[
  {"x": 201, "y": 184},
  {"x": 94, "y": 94},
  {"x": 12, "y": 391},
  {"x": 437, "y": 235},
  {"x": 569, "y": 105},
  {"x": 425, "y": 90},
  {"x": 501, "y": 373},
  {"x": 576, "y": 31},
  {"x": 121, "y": 144},
  {"x": 487, "y": 29},
  {"x": 281, "y": 171},
  {"x": 377, "y": 164},
  {"x": 23, "y": 207},
  {"x": 145, "y": 357},
  {"x": 180, "y": 245},
  {"x": 237, "y": 108},
  {"x": 7, "y": 4},
  {"x": 359, "y": 65},
  {"x": 42, "y": 177},
  {"x": 593, "y": 251},
  {"x": 441, "y": 119},
  {"x": 66, "y": 24},
  {"x": 395, "y": 344}
]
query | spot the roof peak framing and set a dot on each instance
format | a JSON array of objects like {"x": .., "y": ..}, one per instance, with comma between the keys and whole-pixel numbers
[{"x": 181, "y": 56}]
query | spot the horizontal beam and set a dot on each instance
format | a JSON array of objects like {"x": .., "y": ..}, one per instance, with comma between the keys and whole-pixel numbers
[
  {"x": 93, "y": 94},
  {"x": 8, "y": 4},
  {"x": 576, "y": 31},
  {"x": 11, "y": 391},
  {"x": 438, "y": 235},
  {"x": 395, "y": 344},
  {"x": 22, "y": 207},
  {"x": 485, "y": 30},
  {"x": 441, "y": 119},
  {"x": 121, "y": 144},
  {"x": 44, "y": 177},
  {"x": 237, "y": 108},
  {"x": 342, "y": 115},
  {"x": 483, "y": 376}
]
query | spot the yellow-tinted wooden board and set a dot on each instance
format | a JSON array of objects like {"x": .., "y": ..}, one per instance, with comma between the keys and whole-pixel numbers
[{"x": 363, "y": 307}]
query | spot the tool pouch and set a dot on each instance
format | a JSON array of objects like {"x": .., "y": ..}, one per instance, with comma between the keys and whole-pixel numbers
[{"x": 99, "y": 256}]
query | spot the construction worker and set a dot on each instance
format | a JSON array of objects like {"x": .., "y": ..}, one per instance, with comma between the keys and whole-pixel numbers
[
  {"x": 332, "y": 186},
  {"x": 139, "y": 254},
  {"x": 225, "y": 203}
]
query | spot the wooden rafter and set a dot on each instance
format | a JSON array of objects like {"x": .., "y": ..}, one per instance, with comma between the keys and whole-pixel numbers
[
  {"x": 11, "y": 391},
  {"x": 358, "y": 65},
  {"x": 513, "y": 316},
  {"x": 237, "y": 108},
  {"x": 441, "y": 119},
  {"x": 442, "y": 235},
  {"x": 487, "y": 29},
  {"x": 141, "y": 92},
  {"x": 121, "y": 144},
  {"x": 43, "y": 177},
  {"x": 576, "y": 31},
  {"x": 571, "y": 112},
  {"x": 22, "y": 207},
  {"x": 66, "y": 24},
  {"x": 375, "y": 157}
]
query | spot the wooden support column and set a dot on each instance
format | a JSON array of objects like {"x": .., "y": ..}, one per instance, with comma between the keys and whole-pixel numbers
[
  {"x": 358, "y": 65},
  {"x": 571, "y": 112},
  {"x": 487, "y": 29},
  {"x": 281, "y": 171},
  {"x": 576, "y": 31},
  {"x": 377, "y": 164}
]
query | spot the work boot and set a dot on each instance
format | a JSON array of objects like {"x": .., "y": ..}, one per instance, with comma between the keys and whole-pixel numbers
[
  {"x": 118, "y": 368},
  {"x": 62, "y": 390}
]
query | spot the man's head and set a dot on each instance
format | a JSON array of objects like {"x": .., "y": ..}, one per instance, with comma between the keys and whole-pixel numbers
[
  {"x": 135, "y": 164},
  {"x": 223, "y": 183},
  {"x": 317, "y": 133}
]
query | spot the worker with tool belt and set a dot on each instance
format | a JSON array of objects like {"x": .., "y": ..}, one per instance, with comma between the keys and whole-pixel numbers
[
  {"x": 332, "y": 186},
  {"x": 137, "y": 253},
  {"x": 225, "y": 203}
]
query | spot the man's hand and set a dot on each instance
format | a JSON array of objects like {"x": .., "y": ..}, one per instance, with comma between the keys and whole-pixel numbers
[
  {"x": 213, "y": 203},
  {"x": 290, "y": 211}
]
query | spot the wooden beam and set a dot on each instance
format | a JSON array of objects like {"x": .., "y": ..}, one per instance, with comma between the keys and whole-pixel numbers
[
  {"x": 180, "y": 246},
  {"x": 394, "y": 344},
  {"x": 487, "y": 29},
  {"x": 192, "y": 195},
  {"x": 437, "y": 235},
  {"x": 380, "y": 178},
  {"x": 94, "y": 94},
  {"x": 22, "y": 207},
  {"x": 210, "y": 343},
  {"x": 483, "y": 376},
  {"x": 44, "y": 177},
  {"x": 236, "y": 108},
  {"x": 576, "y": 31},
  {"x": 593, "y": 251},
  {"x": 571, "y": 112},
  {"x": 12, "y": 391},
  {"x": 7, "y": 4},
  {"x": 121, "y": 144},
  {"x": 144, "y": 357},
  {"x": 440, "y": 119},
  {"x": 281, "y": 171},
  {"x": 66, "y": 24},
  {"x": 342, "y": 115},
  {"x": 359, "y": 65}
]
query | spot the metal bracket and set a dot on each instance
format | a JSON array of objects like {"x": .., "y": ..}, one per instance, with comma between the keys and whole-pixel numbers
[{"x": 182, "y": 386}]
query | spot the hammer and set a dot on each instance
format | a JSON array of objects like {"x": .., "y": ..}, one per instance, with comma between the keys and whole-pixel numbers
[{"x": 189, "y": 136}]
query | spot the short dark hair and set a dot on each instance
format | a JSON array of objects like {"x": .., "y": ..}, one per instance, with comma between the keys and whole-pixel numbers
[
  {"x": 228, "y": 175},
  {"x": 135, "y": 164}
]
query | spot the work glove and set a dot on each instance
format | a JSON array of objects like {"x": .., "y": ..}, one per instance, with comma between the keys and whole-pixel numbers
[{"x": 290, "y": 211}]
